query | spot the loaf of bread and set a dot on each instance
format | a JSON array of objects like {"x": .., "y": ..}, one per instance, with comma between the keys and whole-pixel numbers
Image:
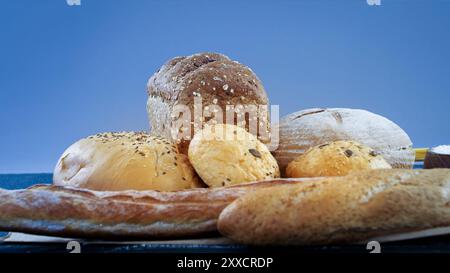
[
  {"x": 125, "y": 161},
  {"x": 212, "y": 78},
  {"x": 344, "y": 209},
  {"x": 225, "y": 154},
  {"x": 79, "y": 213},
  {"x": 336, "y": 158},
  {"x": 305, "y": 129}
]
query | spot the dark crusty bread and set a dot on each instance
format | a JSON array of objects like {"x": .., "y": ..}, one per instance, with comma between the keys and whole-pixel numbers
[
  {"x": 341, "y": 209},
  {"x": 70, "y": 212},
  {"x": 213, "y": 77}
]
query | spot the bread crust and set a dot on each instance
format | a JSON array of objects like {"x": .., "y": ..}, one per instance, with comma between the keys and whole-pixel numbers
[
  {"x": 341, "y": 209},
  {"x": 80, "y": 213},
  {"x": 214, "y": 77}
]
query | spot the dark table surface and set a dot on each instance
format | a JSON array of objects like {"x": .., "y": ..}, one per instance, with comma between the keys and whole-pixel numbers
[{"x": 438, "y": 244}]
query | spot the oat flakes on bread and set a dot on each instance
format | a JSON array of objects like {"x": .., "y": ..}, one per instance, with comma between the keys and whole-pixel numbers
[{"x": 213, "y": 77}]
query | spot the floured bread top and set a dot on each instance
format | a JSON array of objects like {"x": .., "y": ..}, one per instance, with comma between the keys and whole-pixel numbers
[
  {"x": 442, "y": 149},
  {"x": 302, "y": 130}
]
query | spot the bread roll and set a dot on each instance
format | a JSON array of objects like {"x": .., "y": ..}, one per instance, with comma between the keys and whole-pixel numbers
[
  {"x": 215, "y": 79},
  {"x": 305, "y": 129},
  {"x": 226, "y": 155},
  {"x": 344, "y": 209},
  {"x": 124, "y": 161},
  {"x": 335, "y": 159}
]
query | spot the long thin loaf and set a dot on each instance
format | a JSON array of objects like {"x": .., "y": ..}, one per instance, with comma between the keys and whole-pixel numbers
[{"x": 70, "y": 212}]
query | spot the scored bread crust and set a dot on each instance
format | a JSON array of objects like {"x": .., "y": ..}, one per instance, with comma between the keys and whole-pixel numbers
[
  {"x": 346, "y": 209},
  {"x": 71, "y": 212}
]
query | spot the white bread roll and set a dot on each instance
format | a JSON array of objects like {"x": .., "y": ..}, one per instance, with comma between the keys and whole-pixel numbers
[
  {"x": 124, "y": 161},
  {"x": 225, "y": 155},
  {"x": 302, "y": 130}
]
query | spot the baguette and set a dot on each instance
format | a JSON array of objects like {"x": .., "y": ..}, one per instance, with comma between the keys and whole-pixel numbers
[
  {"x": 346, "y": 209},
  {"x": 81, "y": 213}
]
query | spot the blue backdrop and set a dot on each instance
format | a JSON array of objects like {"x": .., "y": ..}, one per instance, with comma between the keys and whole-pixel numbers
[{"x": 70, "y": 71}]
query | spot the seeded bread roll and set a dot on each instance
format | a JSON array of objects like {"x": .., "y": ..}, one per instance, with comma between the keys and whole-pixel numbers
[
  {"x": 211, "y": 77},
  {"x": 335, "y": 159},
  {"x": 124, "y": 161},
  {"x": 226, "y": 155}
]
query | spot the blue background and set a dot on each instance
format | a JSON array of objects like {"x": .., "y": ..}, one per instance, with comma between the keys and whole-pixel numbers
[{"x": 67, "y": 72}]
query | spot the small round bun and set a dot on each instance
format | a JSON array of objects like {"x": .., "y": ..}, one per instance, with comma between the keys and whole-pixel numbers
[
  {"x": 335, "y": 159},
  {"x": 226, "y": 155},
  {"x": 124, "y": 161}
]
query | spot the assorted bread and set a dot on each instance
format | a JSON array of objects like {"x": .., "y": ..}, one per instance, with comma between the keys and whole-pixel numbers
[
  {"x": 336, "y": 158},
  {"x": 192, "y": 174}
]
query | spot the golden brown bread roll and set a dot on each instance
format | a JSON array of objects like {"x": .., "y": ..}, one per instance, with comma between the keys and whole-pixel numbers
[
  {"x": 335, "y": 159},
  {"x": 226, "y": 155},
  {"x": 214, "y": 78},
  {"x": 124, "y": 161},
  {"x": 343, "y": 209}
]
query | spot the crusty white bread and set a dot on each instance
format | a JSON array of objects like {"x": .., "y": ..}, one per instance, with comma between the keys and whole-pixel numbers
[
  {"x": 345, "y": 209},
  {"x": 69, "y": 212},
  {"x": 302, "y": 130}
]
